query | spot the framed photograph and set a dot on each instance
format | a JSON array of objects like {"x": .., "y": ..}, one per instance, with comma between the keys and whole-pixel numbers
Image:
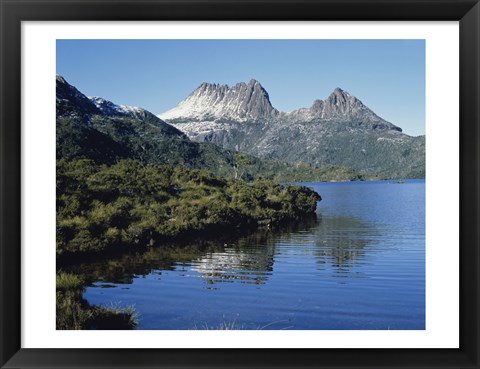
[{"x": 239, "y": 184}]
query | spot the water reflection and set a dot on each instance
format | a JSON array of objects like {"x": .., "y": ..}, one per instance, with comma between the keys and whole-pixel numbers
[
  {"x": 358, "y": 264},
  {"x": 236, "y": 265},
  {"x": 250, "y": 258},
  {"x": 343, "y": 243},
  {"x": 123, "y": 269},
  {"x": 340, "y": 243}
]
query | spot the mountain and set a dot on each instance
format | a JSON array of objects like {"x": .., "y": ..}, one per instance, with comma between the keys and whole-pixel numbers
[
  {"x": 339, "y": 130},
  {"x": 240, "y": 103},
  {"x": 100, "y": 130},
  {"x": 341, "y": 106},
  {"x": 109, "y": 108}
]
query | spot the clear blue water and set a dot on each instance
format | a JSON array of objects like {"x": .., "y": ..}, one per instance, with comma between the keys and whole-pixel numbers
[{"x": 358, "y": 264}]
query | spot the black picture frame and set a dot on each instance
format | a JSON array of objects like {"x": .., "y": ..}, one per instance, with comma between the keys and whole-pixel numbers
[{"x": 13, "y": 12}]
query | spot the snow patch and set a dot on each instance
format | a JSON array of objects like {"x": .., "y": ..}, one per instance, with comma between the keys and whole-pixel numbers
[{"x": 109, "y": 107}]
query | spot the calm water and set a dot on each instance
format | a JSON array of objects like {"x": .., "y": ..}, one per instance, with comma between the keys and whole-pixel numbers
[{"x": 358, "y": 264}]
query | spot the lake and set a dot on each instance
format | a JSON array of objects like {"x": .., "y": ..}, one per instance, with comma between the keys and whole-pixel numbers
[{"x": 359, "y": 263}]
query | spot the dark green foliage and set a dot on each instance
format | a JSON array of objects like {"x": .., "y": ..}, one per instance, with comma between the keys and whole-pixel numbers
[
  {"x": 136, "y": 205},
  {"x": 78, "y": 140}
]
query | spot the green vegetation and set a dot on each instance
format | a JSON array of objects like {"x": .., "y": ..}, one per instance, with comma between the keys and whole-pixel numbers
[
  {"x": 74, "y": 313},
  {"x": 248, "y": 168},
  {"x": 69, "y": 282},
  {"x": 110, "y": 139},
  {"x": 129, "y": 204}
]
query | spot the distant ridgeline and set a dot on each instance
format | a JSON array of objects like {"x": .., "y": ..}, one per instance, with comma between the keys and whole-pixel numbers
[
  {"x": 97, "y": 129},
  {"x": 339, "y": 131}
]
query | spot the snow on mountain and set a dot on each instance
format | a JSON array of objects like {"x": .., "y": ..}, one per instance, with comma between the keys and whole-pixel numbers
[
  {"x": 110, "y": 108},
  {"x": 210, "y": 102},
  {"x": 68, "y": 95},
  {"x": 250, "y": 102}
]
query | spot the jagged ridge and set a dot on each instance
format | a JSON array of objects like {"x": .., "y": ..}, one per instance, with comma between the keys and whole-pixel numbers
[
  {"x": 97, "y": 129},
  {"x": 341, "y": 106},
  {"x": 339, "y": 130},
  {"x": 213, "y": 101}
]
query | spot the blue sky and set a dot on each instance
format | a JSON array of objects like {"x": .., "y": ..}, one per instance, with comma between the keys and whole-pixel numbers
[{"x": 387, "y": 75}]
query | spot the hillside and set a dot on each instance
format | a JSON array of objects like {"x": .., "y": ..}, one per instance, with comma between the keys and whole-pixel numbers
[
  {"x": 339, "y": 131},
  {"x": 97, "y": 129}
]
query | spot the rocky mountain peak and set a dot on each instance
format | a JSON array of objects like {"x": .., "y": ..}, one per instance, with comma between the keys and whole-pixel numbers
[
  {"x": 341, "y": 103},
  {"x": 339, "y": 91},
  {"x": 317, "y": 106},
  {"x": 211, "y": 102},
  {"x": 60, "y": 79},
  {"x": 341, "y": 106},
  {"x": 71, "y": 102},
  {"x": 250, "y": 101}
]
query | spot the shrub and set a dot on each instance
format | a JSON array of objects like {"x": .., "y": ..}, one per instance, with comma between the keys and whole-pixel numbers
[{"x": 68, "y": 281}]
